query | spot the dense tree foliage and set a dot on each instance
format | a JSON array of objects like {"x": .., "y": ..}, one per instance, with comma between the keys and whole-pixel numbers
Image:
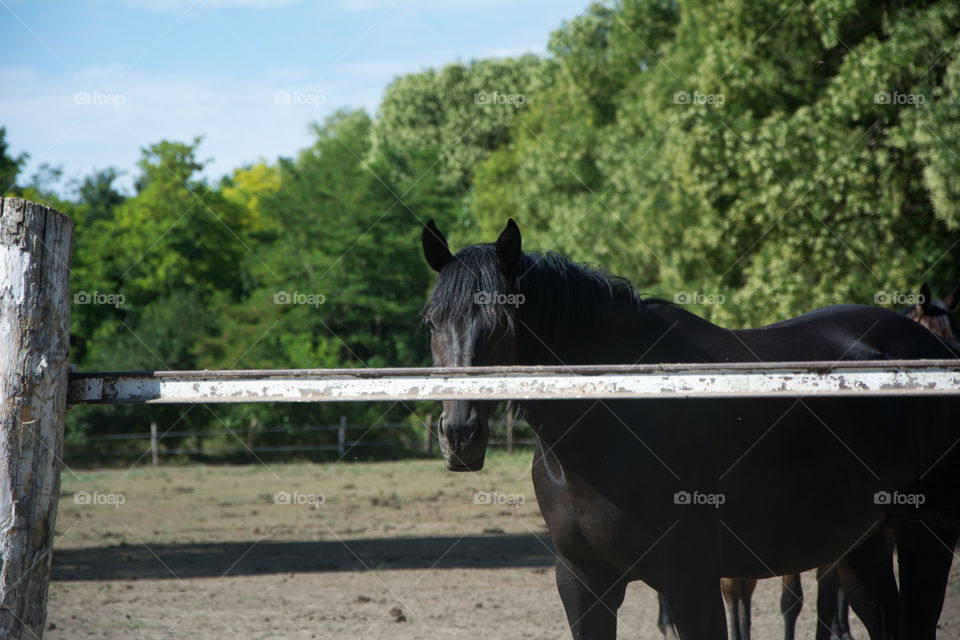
[
  {"x": 770, "y": 158},
  {"x": 780, "y": 157}
]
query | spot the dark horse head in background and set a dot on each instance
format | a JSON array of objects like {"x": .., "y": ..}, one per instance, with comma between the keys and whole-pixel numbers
[
  {"x": 631, "y": 489},
  {"x": 937, "y": 315}
]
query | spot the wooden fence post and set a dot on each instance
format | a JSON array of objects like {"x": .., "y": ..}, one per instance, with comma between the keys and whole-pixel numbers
[
  {"x": 342, "y": 436},
  {"x": 250, "y": 433},
  {"x": 153, "y": 443},
  {"x": 35, "y": 244},
  {"x": 510, "y": 426},
  {"x": 428, "y": 434}
]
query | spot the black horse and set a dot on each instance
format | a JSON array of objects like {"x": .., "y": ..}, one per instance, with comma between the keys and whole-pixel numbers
[
  {"x": 832, "y": 607},
  {"x": 680, "y": 493}
]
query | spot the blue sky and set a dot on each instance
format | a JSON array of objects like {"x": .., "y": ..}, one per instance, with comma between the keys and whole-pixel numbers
[{"x": 88, "y": 83}]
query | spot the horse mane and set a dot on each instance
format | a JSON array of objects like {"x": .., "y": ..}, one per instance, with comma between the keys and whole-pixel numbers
[{"x": 557, "y": 292}]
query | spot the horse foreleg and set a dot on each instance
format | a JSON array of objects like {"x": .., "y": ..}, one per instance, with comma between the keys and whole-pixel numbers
[
  {"x": 696, "y": 607},
  {"x": 866, "y": 574},
  {"x": 590, "y": 599},
  {"x": 925, "y": 553},
  {"x": 791, "y": 602}
]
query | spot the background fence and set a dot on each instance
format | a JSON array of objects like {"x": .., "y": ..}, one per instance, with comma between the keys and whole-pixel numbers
[{"x": 416, "y": 437}]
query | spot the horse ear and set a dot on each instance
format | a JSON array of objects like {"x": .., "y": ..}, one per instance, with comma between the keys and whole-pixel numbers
[
  {"x": 509, "y": 246},
  {"x": 925, "y": 298},
  {"x": 953, "y": 298},
  {"x": 435, "y": 248}
]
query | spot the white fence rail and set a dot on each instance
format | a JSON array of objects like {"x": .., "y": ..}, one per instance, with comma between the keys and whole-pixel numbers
[{"x": 742, "y": 380}]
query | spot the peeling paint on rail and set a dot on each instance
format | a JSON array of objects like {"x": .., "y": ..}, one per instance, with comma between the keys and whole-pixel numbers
[{"x": 521, "y": 383}]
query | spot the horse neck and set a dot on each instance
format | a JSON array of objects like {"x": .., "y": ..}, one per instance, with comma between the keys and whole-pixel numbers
[
  {"x": 616, "y": 332},
  {"x": 600, "y": 329}
]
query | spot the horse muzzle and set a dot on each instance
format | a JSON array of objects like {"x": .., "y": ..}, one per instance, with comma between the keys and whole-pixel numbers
[{"x": 463, "y": 443}]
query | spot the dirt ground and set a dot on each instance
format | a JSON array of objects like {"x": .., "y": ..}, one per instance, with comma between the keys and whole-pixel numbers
[{"x": 397, "y": 550}]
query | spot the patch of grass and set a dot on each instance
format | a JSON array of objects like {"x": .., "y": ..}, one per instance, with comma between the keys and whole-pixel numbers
[{"x": 204, "y": 503}]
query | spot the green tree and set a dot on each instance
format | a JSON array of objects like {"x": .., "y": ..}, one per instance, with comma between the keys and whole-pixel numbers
[
  {"x": 459, "y": 114},
  {"x": 786, "y": 157},
  {"x": 337, "y": 280},
  {"x": 150, "y": 274},
  {"x": 10, "y": 166},
  {"x": 98, "y": 196}
]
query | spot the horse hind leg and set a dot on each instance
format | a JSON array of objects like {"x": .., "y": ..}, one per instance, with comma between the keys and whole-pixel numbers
[
  {"x": 833, "y": 612},
  {"x": 841, "y": 623},
  {"x": 746, "y": 596},
  {"x": 791, "y": 602},
  {"x": 665, "y": 620},
  {"x": 828, "y": 588},
  {"x": 731, "y": 597}
]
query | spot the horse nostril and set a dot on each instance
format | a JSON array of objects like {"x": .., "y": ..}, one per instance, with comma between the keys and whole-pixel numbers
[{"x": 440, "y": 424}]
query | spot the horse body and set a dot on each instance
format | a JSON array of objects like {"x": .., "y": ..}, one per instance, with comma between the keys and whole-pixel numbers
[
  {"x": 590, "y": 497},
  {"x": 832, "y": 604},
  {"x": 595, "y": 496},
  {"x": 680, "y": 493}
]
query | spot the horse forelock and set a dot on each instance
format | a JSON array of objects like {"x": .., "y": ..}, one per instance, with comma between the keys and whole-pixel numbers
[{"x": 468, "y": 288}]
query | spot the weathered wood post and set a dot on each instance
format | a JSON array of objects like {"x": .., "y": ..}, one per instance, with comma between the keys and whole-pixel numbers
[
  {"x": 154, "y": 442},
  {"x": 427, "y": 434},
  {"x": 35, "y": 243},
  {"x": 251, "y": 432},
  {"x": 342, "y": 436},
  {"x": 510, "y": 413}
]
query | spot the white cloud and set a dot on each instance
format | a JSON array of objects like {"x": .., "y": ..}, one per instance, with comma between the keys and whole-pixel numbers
[
  {"x": 96, "y": 120},
  {"x": 514, "y": 52},
  {"x": 384, "y": 70},
  {"x": 426, "y": 6},
  {"x": 179, "y": 5}
]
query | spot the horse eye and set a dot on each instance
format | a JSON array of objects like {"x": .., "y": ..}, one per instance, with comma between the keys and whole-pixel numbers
[{"x": 429, "y": 323}]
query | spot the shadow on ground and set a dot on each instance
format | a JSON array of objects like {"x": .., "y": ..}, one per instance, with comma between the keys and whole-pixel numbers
[{"x": 203, "y": 560}]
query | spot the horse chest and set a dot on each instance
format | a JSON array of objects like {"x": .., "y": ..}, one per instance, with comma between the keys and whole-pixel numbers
[{"x": 584, "y": 520}]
